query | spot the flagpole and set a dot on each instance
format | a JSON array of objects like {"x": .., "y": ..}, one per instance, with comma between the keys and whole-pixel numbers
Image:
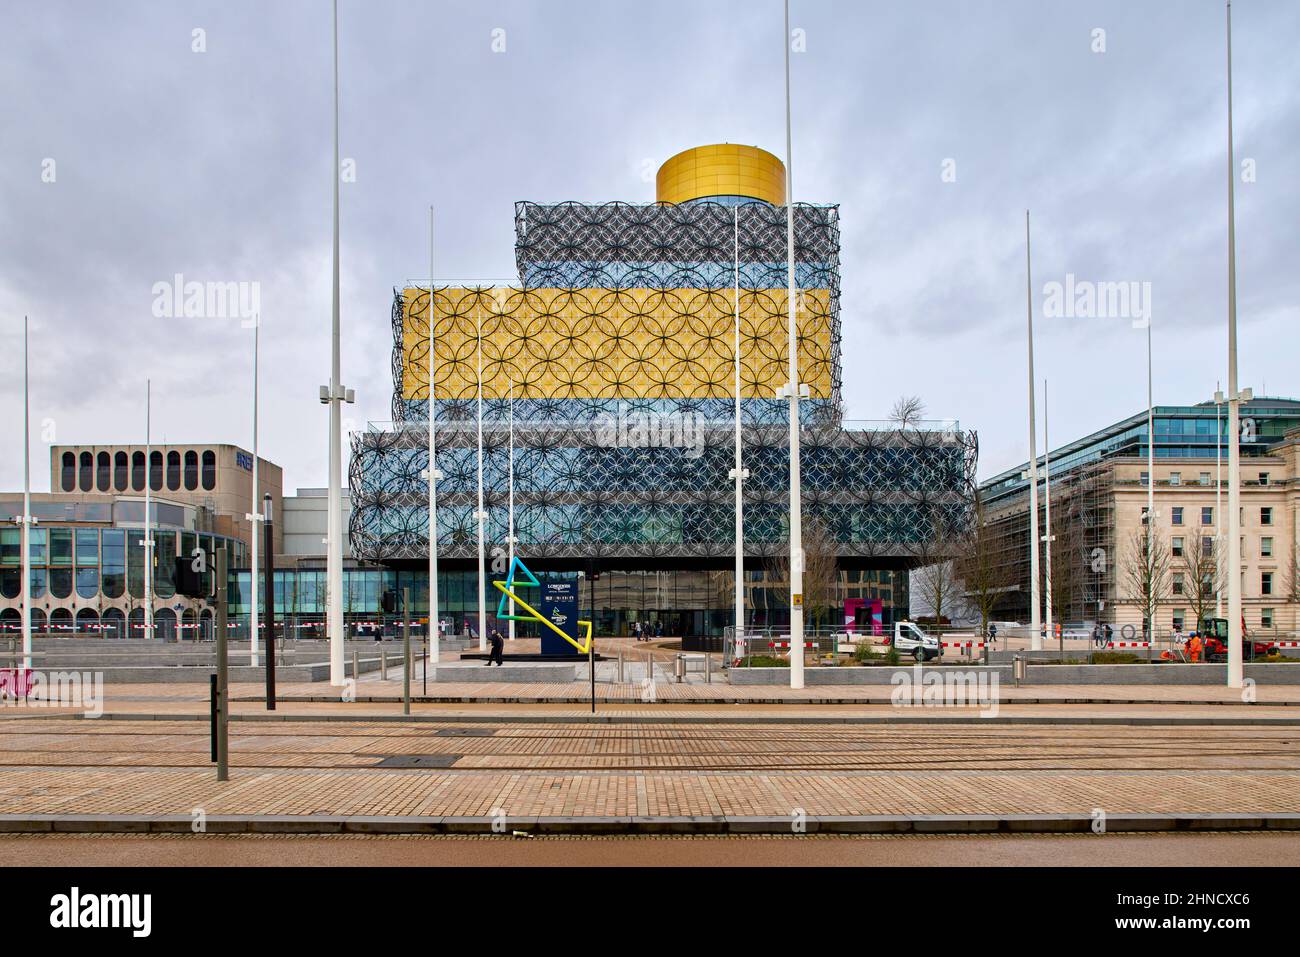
[
  {"x": 432, "y": 475},
  {"x": 796, "y": 495},
  {"x": 148, "y": 524},
  {"x": 1233, "y": 545},
  {"x": 481, "y": 514},
  {"x": 335, "y": 394},
  {"x": 737, "y": 473},
  {"x": 510, "y": 534},
  {"x": 26, "y": 518},
  {"x": 254, "y": 514},
  {"x": 1048, "y": 537},
  {"x": 1035, "y": 613}
]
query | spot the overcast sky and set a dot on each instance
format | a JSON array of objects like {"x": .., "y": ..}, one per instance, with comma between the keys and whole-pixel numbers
[{"x": 217, "y": 165}]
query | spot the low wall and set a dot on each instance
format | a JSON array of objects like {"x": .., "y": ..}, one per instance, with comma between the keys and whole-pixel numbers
[
  {"x": 1141, "y": 674},
  {"x": 524, "y": 672}
]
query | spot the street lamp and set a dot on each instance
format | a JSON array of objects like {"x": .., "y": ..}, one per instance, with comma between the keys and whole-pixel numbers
[
  {"x": 793, "y": 388},
  {"x": 1234, "y": 425},
  {"x": 1035, "y": 621}
]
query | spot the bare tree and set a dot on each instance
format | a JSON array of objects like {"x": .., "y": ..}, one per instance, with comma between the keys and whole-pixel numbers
[
  {"x": 821, "y": 574},
  {"x": 1199, "y": 567},
  {"x": 936, "y": 578},
  {"x": 908, "y": 411},
  {"x": 1146, "y": 571},
  {"x": 1069, "y": 564},
  {"x": 981, "y": 566}
]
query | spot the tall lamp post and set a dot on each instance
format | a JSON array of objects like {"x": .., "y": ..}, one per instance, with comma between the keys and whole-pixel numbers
[
  {"x": 1035, "y": 621},
  {"x": 25, "y": 520},
  {"x": 148, "y": 508},
  {"x": 432, "y": 475},
  {"x": 738, "y": 474},
  {"x": 1218, "y": 503},
  {"x": 1151, "y": 496},
  {"x": 334, "y": 395},
  {"x": 1234, "y": 418},
  {"x": 254, "y": 517},
  {"x": 1048, "y": 537},
  {"x": 793, "y": 388}
]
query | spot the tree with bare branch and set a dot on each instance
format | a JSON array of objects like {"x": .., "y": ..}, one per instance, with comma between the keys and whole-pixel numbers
[
  {"x": 908, "y": 411},
  {"x": 1199, "y": 566},
  {"x": 1147, "y": 571},
  {"x": 981, "y": 565},
  {"x": 821, "y": 573}
]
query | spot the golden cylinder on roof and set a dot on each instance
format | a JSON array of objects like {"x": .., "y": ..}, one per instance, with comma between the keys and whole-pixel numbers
[{"x": 723, "y": 169}]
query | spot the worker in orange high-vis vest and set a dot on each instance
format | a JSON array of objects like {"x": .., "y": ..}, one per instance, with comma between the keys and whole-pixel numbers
[{"x": 1194, "y": 647}]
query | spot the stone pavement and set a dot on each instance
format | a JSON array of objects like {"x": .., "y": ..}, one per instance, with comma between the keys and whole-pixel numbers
[{"x": 496, "y": 773}]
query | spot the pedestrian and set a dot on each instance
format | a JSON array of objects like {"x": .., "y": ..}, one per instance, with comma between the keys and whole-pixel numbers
[
  {"x": 636, "y": 630},
  {"x": 1110, "y": 634},
  {"x": 659, "y": 629},
  {"x": 1194, "y": 646},
  {"x": 498, "y": 644},
  {"x": 993, "y": 635}
]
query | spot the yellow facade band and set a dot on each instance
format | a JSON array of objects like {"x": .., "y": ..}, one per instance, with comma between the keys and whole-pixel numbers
[
  {"x": 723, "y": 169},
  {"x": 612, "y": 343}
]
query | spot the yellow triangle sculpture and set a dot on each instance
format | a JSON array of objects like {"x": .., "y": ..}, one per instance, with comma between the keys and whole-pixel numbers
[{"x": 507, "y": 592}]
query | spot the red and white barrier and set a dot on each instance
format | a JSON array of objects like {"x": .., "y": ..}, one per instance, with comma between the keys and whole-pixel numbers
[{"x": 1128, "y": 644}]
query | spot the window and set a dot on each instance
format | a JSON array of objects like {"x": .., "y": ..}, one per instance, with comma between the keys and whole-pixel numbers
[
  {"x": 156, "y": 471},
  {"x": 103, "y": 472},
  {"x": 1266, "y": 617},
  {"x": 1205, "y": 478},
  {"x": 1176, "y": 544},
  {"x": 191, "y": 470},
  {"x": 173, "y": 471},
  {"x": 1207, "y": 515},
  {"x": 60, "y": 546},
  {"x": 68, "y": 477},
  {"x": 210, "y": 470},
  {"x": 1265, "y": 547},
  {"x": 1178, "y": 583},
  {"x": 1263, "y": 478},
  {"x": 39, "y": 536},
  {"x": 1146, "y": 478},
  {"x": 113, "y": 569},
  {"x": 1266, "y": 583},
  {"x": 1175, "y": 478},
  {"x": 11, "y": 546},
  {"x": 87, "y": 481},
  {"x": 137, "y": 471},
  {"x": 1207, "y": 544},
  {"x": 61, "y": 582},
  {"x": 87, "y": 548},
  {"x": 1265, "y": 516},
  {"x": 119, "y": 471},
  {"x": 1177, "y": 511},
  {"x": 1180, "y": 617}
]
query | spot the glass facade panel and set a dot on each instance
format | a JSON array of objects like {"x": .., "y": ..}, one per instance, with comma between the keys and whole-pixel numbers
[
  {"x": 113, "y": 570},
  {"x": 60, "y": 546}
]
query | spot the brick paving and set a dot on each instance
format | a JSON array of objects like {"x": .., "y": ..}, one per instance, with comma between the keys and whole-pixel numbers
[{"x": 59, "y": 766}]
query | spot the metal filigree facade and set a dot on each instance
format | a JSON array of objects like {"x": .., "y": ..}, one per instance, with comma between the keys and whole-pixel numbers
[{"x": 618, "y": 344}]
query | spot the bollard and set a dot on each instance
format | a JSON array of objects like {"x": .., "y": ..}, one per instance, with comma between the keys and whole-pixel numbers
[
  {"x": 679, "y": 668},
  {"x": 383, "y": 665},
  {"x": 620, "y": 666},
  {"x": 1018, "y": 669},
  {"x": 708, "y": 668},
  {"x": 356, "y": 666}
]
